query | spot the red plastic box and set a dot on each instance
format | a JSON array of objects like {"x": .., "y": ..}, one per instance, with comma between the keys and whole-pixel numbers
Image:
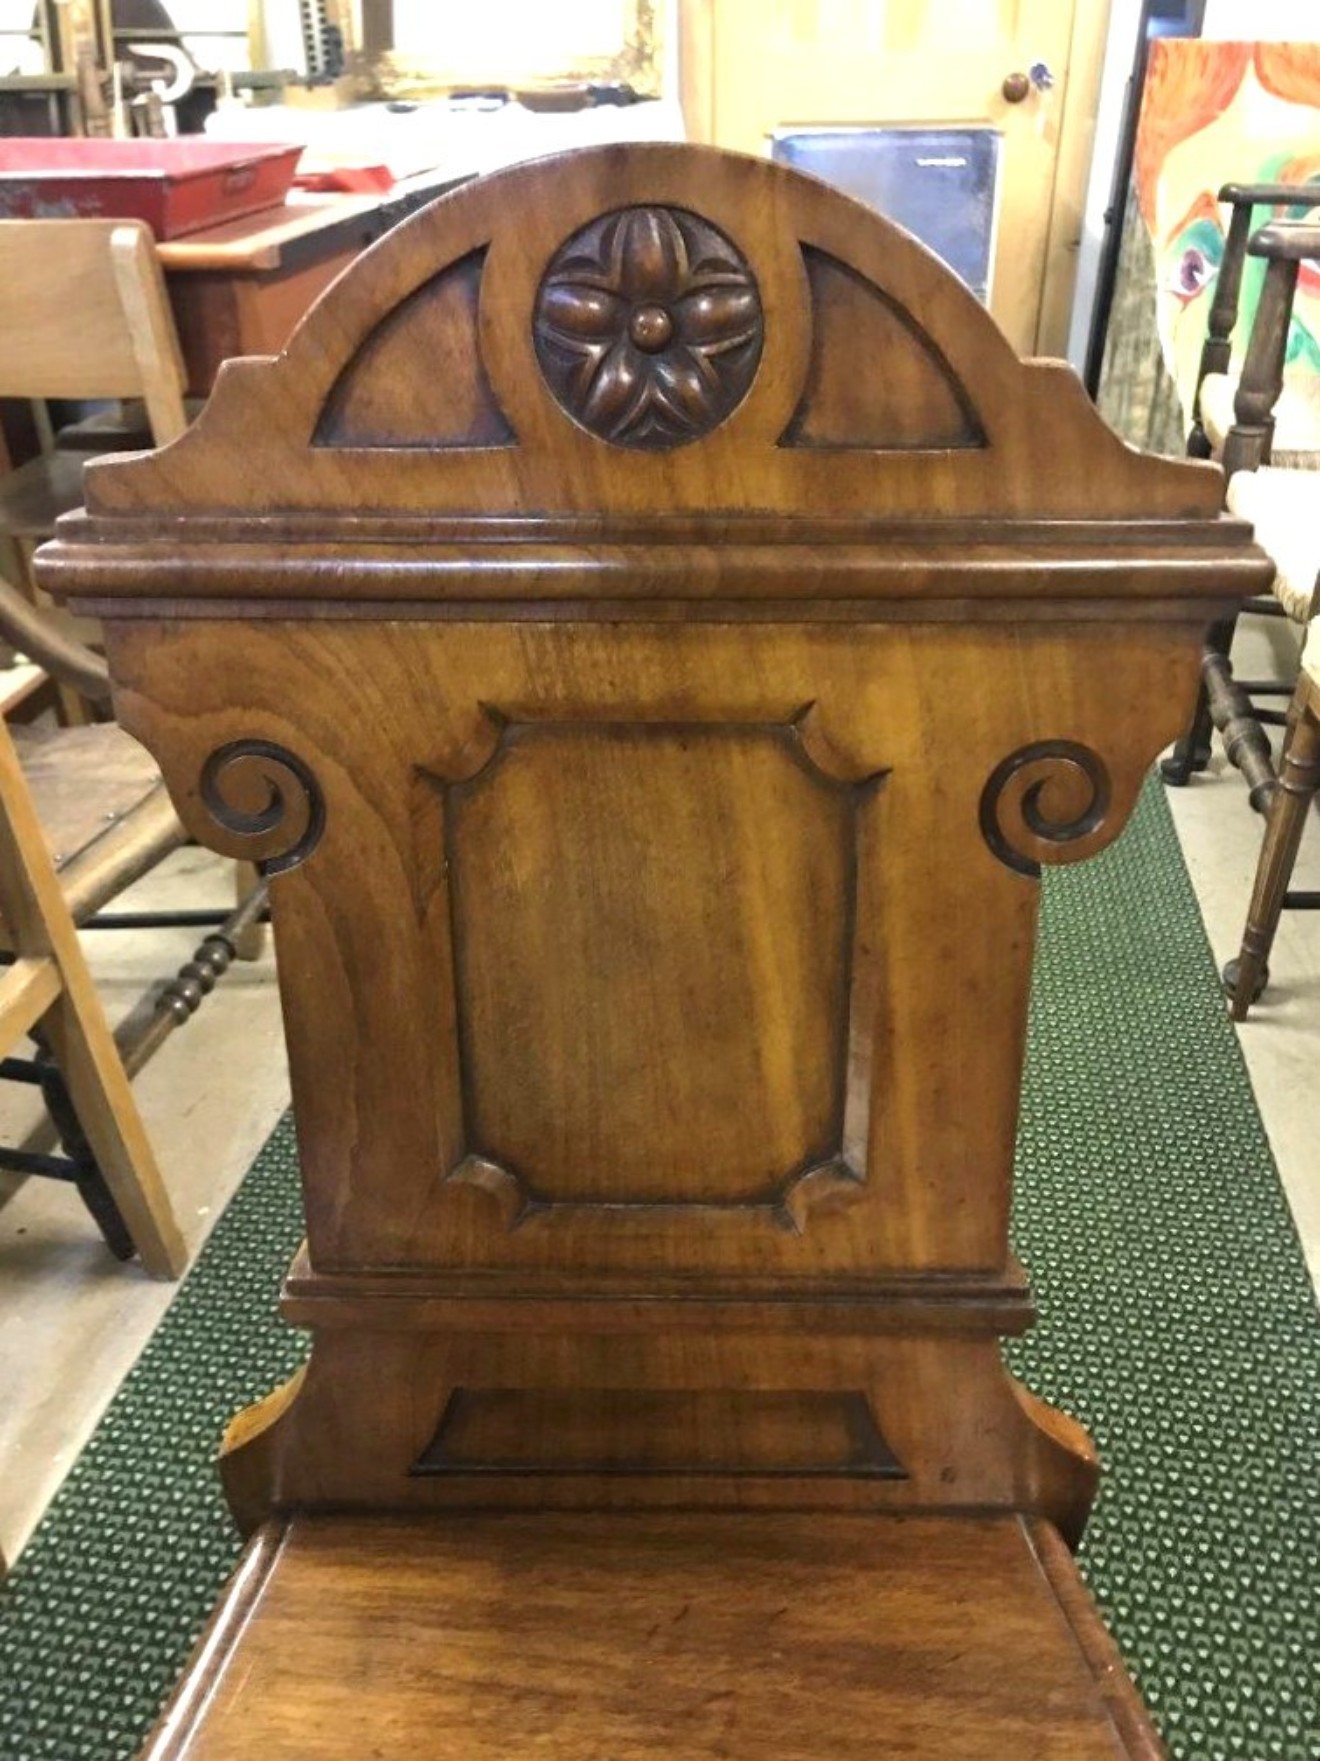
[{"x": 176, "y": 186}]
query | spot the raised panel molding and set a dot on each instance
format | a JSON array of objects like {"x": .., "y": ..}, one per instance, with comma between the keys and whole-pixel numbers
[
  {"x": 682, "y": 1433},
  {"x": 674, "y": 1053}
]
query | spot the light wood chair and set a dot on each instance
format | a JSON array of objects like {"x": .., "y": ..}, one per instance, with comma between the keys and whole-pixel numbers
[
  {"x": 83, "y": 315},
  {"x": 652, "y": 631},
  {"x": 47, "y": 992}
]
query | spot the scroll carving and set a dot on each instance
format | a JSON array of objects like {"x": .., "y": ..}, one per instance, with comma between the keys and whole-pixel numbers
[
  {"x": 649, "y": 327},
  {"x": 267, "y": 800},
  {"x": 1041, "y": 800}
]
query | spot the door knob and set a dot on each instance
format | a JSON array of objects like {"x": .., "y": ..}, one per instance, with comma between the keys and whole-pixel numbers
[{"x": 1016, "y": 86}]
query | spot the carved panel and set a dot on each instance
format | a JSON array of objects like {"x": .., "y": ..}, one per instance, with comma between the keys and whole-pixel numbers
[
  {"x": 770, "y": 1434},
  {"x": 418, "y": 380},
  {"x": 876, "y": 380},
  {"x": 649, "y": 327},
  {"x": 652, "y": 930}
]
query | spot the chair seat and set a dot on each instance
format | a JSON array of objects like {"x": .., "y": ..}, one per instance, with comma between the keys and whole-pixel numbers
[
  {"x": 34, "y": 496},
  {"x": 1311, "y": 653},
  {"x": 1284, "y": 507},
  {"x": 643, "y": 1637},
  {"x": 103, "y": 810},
  {"x": 1296, "y": 442},
  {"x": 83, "y": 781}
]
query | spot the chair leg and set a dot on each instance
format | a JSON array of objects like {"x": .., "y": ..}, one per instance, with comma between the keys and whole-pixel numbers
[
  {"x": 74, "y": 1026},
  {"x": 250, "y": 940},
  {"x": 1192, "y": 750},
  {"x": 1299, "y": 778}
]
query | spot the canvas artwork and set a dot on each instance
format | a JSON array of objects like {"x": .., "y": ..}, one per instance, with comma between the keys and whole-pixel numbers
[{"x": 1215, "y": 113}]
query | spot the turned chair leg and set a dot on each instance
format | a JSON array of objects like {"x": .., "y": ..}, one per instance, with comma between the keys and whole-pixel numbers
[
  {"x": 250, "y": 941},
  {"x": 1192, "y": 750},
  {"x": 1299, "y": 778}
]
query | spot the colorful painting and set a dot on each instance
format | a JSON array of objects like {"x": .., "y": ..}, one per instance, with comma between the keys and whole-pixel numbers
[{"x": 1215, "y": 113}]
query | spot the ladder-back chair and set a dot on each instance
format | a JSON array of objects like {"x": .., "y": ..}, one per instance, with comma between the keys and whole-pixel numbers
[{"x": 652, "y": 630}]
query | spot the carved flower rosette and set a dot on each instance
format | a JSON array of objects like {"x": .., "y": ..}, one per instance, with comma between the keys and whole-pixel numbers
[{"x": 649, "y": 327}]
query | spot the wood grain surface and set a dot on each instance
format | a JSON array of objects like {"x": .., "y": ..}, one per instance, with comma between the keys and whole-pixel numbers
[
  {"x": 653, "y": 633},
  {"x": 809, "y": 1638}
]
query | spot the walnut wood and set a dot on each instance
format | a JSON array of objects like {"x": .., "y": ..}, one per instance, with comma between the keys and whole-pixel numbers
[
  {"x": 1246, "y": 744},
  {"x": 1292, "y": 240},
  {"x": 655, "y": 834},
  {"x": 642, "y": 1637},
  {"x": 1217, "y": 349}
]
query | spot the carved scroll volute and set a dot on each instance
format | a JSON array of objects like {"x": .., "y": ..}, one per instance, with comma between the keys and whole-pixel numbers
[
  {"x": 1047, "y": 802},
  {"x": 263, "y": 804}
]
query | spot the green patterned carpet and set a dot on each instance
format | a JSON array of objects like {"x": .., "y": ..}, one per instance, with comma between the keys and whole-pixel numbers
[{"x": 1176, "y": 1321}]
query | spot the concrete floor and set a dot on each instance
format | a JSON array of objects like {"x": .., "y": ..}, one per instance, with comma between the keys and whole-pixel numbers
[{"x": 72, "y": 1320}]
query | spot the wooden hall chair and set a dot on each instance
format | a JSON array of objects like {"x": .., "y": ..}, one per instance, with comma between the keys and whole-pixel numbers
[{"x": 652, "y": 630}]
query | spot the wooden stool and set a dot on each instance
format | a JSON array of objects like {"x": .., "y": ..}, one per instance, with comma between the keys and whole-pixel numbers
[{"x": 653, "y": 630}]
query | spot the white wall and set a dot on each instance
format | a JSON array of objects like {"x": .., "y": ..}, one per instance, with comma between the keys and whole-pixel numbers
[
  {"x": 1255, "y": 21},
  {"x": 1120, "y": 50}
]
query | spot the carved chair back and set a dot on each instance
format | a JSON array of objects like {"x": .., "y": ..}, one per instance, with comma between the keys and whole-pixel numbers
[{"x": 653, "y": 630}]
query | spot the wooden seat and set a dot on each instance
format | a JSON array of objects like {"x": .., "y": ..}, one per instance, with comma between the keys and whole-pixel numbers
[
  {"x": 643, "y": 1637},
  {"x": 652, "y": 631}
]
